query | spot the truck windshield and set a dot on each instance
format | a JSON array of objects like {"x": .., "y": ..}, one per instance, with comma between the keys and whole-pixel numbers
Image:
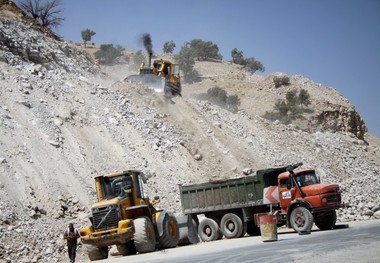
[{"x": 305, "y": 179}]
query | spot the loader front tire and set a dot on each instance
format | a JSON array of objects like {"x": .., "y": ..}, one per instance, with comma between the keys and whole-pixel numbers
[
  {"x": 145, "y": 238},
  {"x": 126, "y": 249},
  {"x": 95, "y": 253}
]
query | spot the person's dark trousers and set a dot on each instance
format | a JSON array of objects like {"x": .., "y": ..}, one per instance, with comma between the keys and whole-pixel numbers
[{"x": 72, "y": 252}]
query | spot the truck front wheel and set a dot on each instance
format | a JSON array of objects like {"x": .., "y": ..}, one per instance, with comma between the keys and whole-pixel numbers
[
  {"x": 326, "y": 222},
  {"x": 95, "y": 253},
  {"x": 208, "y": 230},
  {"x": 301, "y": 219}
]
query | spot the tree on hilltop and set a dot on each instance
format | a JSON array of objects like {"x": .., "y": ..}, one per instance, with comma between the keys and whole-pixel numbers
[
  {"x": 169, "y": 47},
  {"x": 204, "y": 50},
  {"x": 87, "y": 35},
  {"x": 251, "y": 64}
]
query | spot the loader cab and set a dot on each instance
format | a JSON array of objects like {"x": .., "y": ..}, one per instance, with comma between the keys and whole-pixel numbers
[{"x": 120, "y": 185}]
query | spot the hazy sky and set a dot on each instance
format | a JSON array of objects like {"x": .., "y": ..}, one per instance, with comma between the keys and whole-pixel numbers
[{"x": 332, "y": 42}]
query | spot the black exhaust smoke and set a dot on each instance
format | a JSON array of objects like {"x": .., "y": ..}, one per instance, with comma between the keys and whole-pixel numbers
[{"x": 147, "y": 40}]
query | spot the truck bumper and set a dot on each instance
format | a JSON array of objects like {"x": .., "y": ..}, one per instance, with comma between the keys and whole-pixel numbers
[{"x": 324, "y": 209}]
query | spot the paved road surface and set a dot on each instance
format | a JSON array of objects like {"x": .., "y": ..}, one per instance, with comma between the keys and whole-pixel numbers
[{"x": 358, "y": 243}]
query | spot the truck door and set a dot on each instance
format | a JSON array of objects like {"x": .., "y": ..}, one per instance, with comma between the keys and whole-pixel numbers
[{"x": 286, "y": 194}]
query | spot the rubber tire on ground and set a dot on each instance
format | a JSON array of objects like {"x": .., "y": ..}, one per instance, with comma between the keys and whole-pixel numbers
[
  {"x": 126, "y": 249},
  {"x": 170, "y": 235},
  {"x": 217, "y": 220},
  {"x": 245, "y": 227},
  {"x": 145, "y": 238},
  {"x": 208, "y": 230},
  {"x": 327, "y": 222},
  {"x": 95, "y": 253},
  {"x": 301, "y": 219},
  {"x": 231, "y": 225},
  {"x": 252, "y": 229}
]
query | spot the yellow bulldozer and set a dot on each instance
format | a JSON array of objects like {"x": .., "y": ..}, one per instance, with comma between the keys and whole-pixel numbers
[
  {"x": 162, "y": 77},
  {"x": 124, "y": 216}
]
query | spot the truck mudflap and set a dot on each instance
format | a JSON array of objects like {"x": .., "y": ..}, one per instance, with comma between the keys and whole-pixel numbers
[{"x": 187, "y": 231}]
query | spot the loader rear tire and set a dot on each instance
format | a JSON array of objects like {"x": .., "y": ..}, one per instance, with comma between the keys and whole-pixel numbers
[
  {"x": 208, "y": 230},
  {"x": 145, "y": 238},
  {"x": 95, "y": 253},
  {"x": 231, "y": 225},
  {"x": 170, "y": 235}
]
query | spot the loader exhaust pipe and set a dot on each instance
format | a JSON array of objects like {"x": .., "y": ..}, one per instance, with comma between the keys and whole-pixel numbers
[{"x": 149, "y": 59}]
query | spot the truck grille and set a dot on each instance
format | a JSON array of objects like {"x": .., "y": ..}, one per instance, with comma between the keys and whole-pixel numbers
[
  {"x": 105, "y": 217},
  {"x": 334, "y": 198}
]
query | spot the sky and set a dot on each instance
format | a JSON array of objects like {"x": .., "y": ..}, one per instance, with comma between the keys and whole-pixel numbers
[{"x": 332, "y": 42}]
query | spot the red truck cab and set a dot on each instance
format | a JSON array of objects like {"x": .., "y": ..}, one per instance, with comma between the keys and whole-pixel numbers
[{"x": 304, "y": 200}]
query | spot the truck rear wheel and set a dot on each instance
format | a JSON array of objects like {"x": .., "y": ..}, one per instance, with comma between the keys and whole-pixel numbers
[
  {"x": 208, "y": 230},
  {"x": 301, "y": 219},
  {"x": 231, "y": 225},
  {"x": 170, "y": 235},
  {"x": 326, "y": 222},
  {"x": 145, "y": 238},
  {"x": 95, "y": 253}
]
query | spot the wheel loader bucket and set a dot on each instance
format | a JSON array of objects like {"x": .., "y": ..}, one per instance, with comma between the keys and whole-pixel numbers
[
  {"x": 187, "y": 231},
  {"x": 150, "y": 81}
]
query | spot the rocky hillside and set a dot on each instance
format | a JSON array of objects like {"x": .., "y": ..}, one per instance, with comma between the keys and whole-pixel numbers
[{"x": 64, "y": 120}]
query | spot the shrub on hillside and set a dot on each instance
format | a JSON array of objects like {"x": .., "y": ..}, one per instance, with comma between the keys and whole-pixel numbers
[
  {"x": 291, "y": 108},
  {"x": 107, "y": 54},
  {"x": 218, "y": 96},
  {"x": 282, "y": 80}
]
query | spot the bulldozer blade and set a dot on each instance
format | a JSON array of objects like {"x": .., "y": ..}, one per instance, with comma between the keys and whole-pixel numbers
[
  {"x": 187, "y": 231},
  {"x": 150, "y": 81}
]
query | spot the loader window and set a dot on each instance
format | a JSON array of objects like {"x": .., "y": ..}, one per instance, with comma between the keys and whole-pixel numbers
[{"x": 121, "y": 186}]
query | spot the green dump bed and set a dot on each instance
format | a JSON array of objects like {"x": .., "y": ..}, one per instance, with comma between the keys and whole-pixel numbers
[
  {"x": 228, "y": 194},
  {"x": 221, "y": 195}
]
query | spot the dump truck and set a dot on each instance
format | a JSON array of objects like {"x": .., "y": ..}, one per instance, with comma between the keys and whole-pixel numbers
[
  {"x": 124, "y": 216},
  {"x": 164, "y": 77},
  {"x": 233, "y": 207}
]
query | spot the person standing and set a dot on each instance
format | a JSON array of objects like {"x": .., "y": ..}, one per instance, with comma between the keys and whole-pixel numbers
[{"x": 71, "y": 235}]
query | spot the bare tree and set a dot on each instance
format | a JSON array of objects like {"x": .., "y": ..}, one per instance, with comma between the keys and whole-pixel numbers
[
  {"x": 47, "y": 14},
  {"x": 31, "y": 8}
]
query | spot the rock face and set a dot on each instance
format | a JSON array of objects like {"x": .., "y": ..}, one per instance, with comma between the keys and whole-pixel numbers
[
  {"x": 339, "y": 118},
  {"x": 64, "y": 121}
]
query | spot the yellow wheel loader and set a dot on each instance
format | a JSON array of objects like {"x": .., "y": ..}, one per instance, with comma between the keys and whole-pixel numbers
[
  {"x": 125, "y": 217},
  {"x": 162, "y": 77}
]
